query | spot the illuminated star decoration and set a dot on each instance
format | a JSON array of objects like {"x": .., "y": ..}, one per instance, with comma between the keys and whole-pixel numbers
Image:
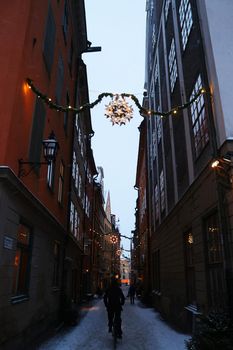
[
  {"x": 118, "y": 110},
  {"x": 113, "y": 239}
]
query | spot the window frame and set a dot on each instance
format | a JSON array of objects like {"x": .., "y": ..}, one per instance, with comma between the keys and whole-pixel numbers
[
  {"x": 172, "y": 64},
  {"x": 215, "y": 268},
  {"x": 199, "y": 123},
  {"x": 186, "y": 21}
]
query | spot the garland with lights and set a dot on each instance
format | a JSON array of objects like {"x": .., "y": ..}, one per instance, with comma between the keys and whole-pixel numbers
[
  {"x": 118, "y": 109},
  {"x": 110, "y": 233}
]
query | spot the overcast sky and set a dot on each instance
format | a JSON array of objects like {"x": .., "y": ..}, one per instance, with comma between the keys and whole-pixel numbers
[{"x": 119, "y": 28}]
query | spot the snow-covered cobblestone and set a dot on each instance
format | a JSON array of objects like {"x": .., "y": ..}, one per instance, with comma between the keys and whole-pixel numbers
[{"x": 142, "y": 328}]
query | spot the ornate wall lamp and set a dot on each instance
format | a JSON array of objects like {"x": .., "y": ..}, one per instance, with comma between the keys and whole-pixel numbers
[
  {"x": 224, "y": 166},
  {"x": 50, "y": 147}
]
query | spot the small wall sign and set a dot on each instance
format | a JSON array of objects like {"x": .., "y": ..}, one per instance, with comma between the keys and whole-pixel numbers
[{"x": 8, "y": 242}]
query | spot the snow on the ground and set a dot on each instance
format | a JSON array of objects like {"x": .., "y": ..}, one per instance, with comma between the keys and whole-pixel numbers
[{"x": 143, "y": 329}]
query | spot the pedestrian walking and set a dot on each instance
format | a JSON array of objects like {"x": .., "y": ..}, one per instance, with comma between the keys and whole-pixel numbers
[{"x": 131, "y": 293}]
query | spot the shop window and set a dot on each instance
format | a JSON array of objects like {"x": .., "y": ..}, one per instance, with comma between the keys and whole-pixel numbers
[
  {"x": 190, "y": 268},
  {"x": 22, "y": 258},
  {"x": 214, "y": 261}
]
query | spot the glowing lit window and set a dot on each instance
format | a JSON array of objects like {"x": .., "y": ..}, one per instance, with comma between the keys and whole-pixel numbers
[
  {"x": 214, "y": 245},
  {"x": 21, "y": 267},
  {"x": 215, "y": 268},
  {"x": 186, "y": 20},
  {"x": 199, "y": 120},
  {"x": 172, "y": 65},
  {"x": 190, "y": 268}
]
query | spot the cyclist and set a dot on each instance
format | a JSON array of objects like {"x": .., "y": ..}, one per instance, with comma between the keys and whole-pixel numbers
[{"x": 113, "y": 300}]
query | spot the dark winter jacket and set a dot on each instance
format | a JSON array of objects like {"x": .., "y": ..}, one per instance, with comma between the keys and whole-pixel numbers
[
  {"x": 131, "y": 291},
  {"x": 114, "y": 298}
]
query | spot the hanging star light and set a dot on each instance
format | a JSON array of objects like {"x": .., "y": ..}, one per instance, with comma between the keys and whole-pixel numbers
[
  {"x": 118, "y": 110},
  {"x": 113, "y": 239}
]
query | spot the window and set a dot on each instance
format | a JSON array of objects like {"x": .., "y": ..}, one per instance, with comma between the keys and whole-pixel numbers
[
  {"x": 60, "y": 80},
  {"x": 214, "y": 261},
  {"x": 65, "y": 21},
  {"x": 75, "y": 173},
  {"x": 143, "y": 204},
  {"x": 151, "y": 8},
  {"x": 156, "y": 74},
  {"x": 79, "y": 185},
  {"x": 71, "y": 217},
  {"x": 172, "y": 65},
  {"x": 76, "y": 122},
  {"x": 156, "y": 202},
  {"x": 166, "y": 8},
  {"x": 162, "y": 191},
  {"x": 214, "y": 245},
  {"x": 74, "y": 165},
  {"x": 22, "y": 261},
  {"x": 50, "y": 174},
  {"x": 159, "y": 127},
  {"x": 87, "y": 206},
  {"x": 37, "y": 131},
  {"x": 190, "y": 269},
  {"x": 61, "y": 182},
  {"x": 186, "y": 21},
  {"x": 74, "y": 221},
  {"x": 49, "y": 42},
  {"x": 154, "y": 145},
  {"x": 199, "y": 120},
  {"x": 153, "y": 37},
  {"x": 56, "y": 263}
]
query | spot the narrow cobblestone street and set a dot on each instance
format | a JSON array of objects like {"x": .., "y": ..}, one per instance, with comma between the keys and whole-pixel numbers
[{"x": 143, "y": 329}]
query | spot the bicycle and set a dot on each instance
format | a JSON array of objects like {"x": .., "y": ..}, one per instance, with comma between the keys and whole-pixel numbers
[{"x": 115, "y": 331}]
